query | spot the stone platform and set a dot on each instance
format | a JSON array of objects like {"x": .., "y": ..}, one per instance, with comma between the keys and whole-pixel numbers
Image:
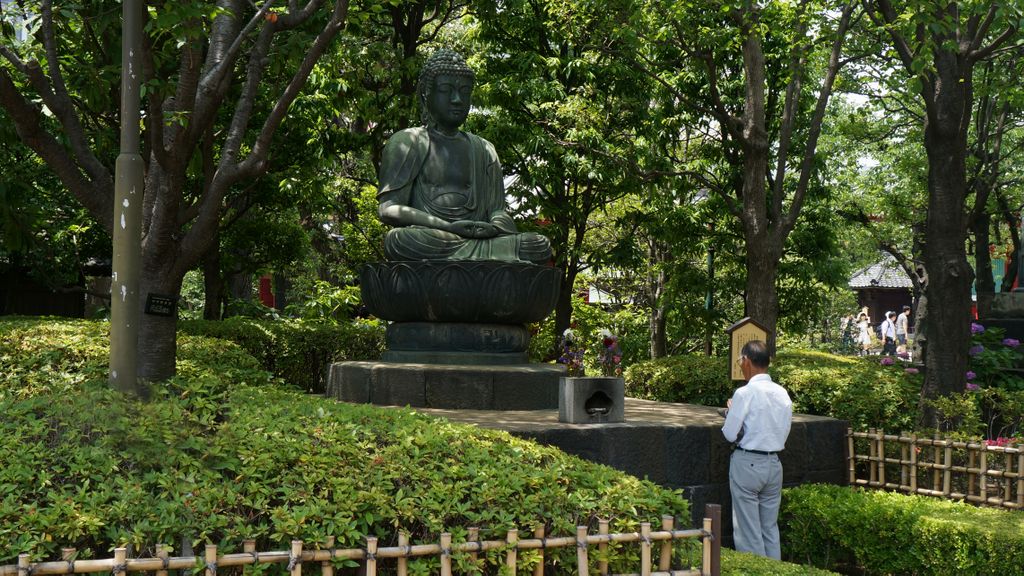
[
  {"x": 674, "y": 445},
  {"x": 448, "y": 386}
]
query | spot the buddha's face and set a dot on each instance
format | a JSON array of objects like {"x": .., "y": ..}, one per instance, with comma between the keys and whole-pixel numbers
[{"x": 449, "y": 101}]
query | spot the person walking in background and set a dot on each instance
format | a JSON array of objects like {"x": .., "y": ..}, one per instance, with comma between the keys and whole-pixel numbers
[
  {"x": 864, "y": 336},
  {"x": 888, "y": 334},
  {"x": 757, "y": 422},
  {"x": 902, "y": 322}
]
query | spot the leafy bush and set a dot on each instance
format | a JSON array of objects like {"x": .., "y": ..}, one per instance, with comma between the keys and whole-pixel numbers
[
  {"x": 690, "y": 379},
  {"x": 746, "y": 564},
  {"x": 875, "y": 532},
  {"x": 221, "y": 454},
  {"x": 858, "y": 390},
  {"x": 299, "y": 352}
]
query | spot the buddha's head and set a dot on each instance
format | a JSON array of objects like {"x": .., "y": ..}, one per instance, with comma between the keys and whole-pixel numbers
[{"x": 445, "y": 90}]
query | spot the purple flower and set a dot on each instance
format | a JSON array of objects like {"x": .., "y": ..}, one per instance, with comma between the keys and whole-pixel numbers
[
  {"x": 887, "y": 361},
  {"x": 976, "y": 349},
  {"x": 977, "y": 328},
  {"x": 911, "y": 370},
  {"x": 972, "y": 386},
  {"x": 971, "y": 375},
  {"x": 1011, "y": 342}
]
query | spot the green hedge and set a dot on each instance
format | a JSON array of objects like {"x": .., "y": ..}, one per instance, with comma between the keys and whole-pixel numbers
[
  {"x": 222, "y": 454},
  {"x": 859, "y": 390},
  {"x": 875, "y": 532},
  {"x": 298, "y": 351},
  {"x": 746, "y": 564},
  {"x": 690, "y": 379}
]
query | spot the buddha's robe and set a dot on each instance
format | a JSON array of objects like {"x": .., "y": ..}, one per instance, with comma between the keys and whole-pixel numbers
[{"x": 402, "y": 180}]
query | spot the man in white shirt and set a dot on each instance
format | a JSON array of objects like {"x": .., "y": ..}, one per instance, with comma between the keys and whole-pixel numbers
[
  {"x": 757, "y": 422},
  {"x": 888, "y": 333}
]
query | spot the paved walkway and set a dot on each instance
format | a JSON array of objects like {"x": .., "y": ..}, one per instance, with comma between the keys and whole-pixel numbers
[{"x": 638, "y": 413}]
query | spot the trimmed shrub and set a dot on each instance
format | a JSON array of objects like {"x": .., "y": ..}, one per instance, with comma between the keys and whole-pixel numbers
[
  {"x": 875, "y": 532},
  {"x": 689, "y": 379},
  {"x": 746, "y": 564},
  {"x": 221, "y": 454},
  {"x": 297, "y": 351},
  {"x": 860, "y": 390}
]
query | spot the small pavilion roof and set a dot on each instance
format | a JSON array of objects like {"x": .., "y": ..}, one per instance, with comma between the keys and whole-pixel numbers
[{"x": 885, "y": 273}]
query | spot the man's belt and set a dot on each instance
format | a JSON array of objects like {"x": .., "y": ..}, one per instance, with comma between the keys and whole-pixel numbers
[{"x": 761, "y": 452}]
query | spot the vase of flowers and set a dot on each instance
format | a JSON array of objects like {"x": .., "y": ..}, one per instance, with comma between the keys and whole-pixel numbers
[{"x": 586, "y": 399}]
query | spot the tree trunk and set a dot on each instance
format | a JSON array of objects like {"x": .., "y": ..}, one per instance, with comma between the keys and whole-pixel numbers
[
  {"x": 563, "y": 306},
  {"x": 949, "y": 275},
  {"x": 656, "y": 280},
  {"x": 158, "y": 341},
  {"x": 762, "y": 300}
]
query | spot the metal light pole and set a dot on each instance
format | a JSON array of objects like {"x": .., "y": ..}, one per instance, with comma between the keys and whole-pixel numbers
[{"x": 128, "y": 193}]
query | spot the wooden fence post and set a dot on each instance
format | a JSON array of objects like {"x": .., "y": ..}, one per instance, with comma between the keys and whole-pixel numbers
[
  {"x": 872, "y": 453},
  {"x": 403, "y": 561},
  {"x": 645, "y": 549},
  {"x": 473, "y": 536},
  {"x": 982, "y": 476},
  {"x": 446, "y": 554},
  {"x": 1020, "y": 475},
  {"x": 881, "y": 457},
  {"x": 913, "y": 463},
  {"x": 947, "y": 473},
  {"x": 371, "y": 556},
  {"x": 512, "y": 555},
  {"x": 210, "y": 557},
  {"x": 602, "y": 548},
  {"x": 24, "y": 565},
  {"x": 295, "y": 558},
  {"x": 327, "y": 566},
  {"x": 665, "y": 559},
  {"x": 851, "y": 456},
  {"x": 538, "y": 533},
  {"x": 581, "y": 550},
  {"x": 120, "y": 560},
  {"x": 713, "y": 552},
  {"x": 163, "y": 552},
  {"x": 68, "y": 555},
  {"x": 249, "y": 547}
]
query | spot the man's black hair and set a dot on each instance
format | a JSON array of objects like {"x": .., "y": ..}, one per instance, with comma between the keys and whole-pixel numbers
[{"x": 757, "y": 352}]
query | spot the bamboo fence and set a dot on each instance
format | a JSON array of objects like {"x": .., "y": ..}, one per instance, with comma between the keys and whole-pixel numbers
[
  {"x": 941, "y": 467},
  {"x": 371, "y": 556}
]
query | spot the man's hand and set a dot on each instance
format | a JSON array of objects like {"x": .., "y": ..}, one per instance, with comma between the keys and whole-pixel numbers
[{"x": 473, "y": 229}]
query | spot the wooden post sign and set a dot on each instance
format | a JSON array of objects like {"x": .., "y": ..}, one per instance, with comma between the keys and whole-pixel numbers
[{"x": 739, "y": 334}]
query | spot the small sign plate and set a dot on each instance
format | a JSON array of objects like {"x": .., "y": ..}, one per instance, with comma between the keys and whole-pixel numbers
[
  {"x": 161, "y": 304},
  {"x": 739, "y": 334}
]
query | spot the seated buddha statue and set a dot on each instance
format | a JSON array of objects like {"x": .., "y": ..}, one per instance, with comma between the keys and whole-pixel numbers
[{"x": 441, "y": 188}]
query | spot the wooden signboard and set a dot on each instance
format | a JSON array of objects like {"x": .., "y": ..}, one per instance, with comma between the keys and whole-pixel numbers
[{"x": 739, "y": 334}]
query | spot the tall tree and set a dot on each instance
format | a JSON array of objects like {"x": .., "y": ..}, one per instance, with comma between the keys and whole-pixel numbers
[
  {"x": 567, "y": 118},
  {"x": 207, "y": 128},
  {"x": 768, "y": 125},
  {"x": 939, "y": 44}
]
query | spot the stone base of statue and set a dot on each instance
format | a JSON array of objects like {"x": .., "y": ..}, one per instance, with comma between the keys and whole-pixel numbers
[
  {"x": 457, "y": 336},
  {"x": 456, "y": 343},
  {"x": 447, "y": 386}
]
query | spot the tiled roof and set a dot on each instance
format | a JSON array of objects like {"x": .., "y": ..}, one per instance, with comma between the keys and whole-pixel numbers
[{"x": 885, "y": 273}]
